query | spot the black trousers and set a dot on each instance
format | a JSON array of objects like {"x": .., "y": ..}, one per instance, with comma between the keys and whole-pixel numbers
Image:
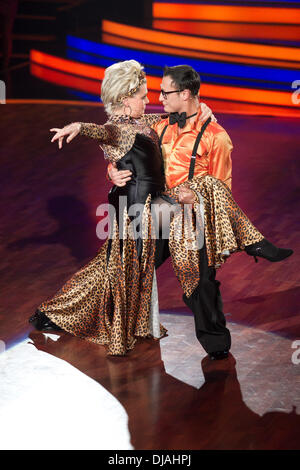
[{"x": 205, "y": 303}]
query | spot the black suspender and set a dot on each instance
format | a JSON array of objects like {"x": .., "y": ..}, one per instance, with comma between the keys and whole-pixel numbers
[
  {"x": 162, "y": 135},
  {"x": 196, "y": 145},
  {"x": 194, "y": 153}
]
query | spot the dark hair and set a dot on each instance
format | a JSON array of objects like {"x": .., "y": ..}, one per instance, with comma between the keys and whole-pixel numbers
[{"x": 184, "y": 77}]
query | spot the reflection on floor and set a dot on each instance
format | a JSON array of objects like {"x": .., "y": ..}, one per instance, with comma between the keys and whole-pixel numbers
[
  {"x": 45, "y": 403},
  {"x": 171, "y": 383},
  {"x": 269, "y": 378}
]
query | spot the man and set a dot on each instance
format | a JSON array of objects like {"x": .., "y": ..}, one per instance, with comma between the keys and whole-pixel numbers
[{"x": 179, "y": 94}]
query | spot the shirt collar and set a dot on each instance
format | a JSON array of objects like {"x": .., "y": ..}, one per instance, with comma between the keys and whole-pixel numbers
[{"x": 197, "y": 124}]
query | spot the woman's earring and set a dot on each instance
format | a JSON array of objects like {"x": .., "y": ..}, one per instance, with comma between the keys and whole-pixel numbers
[{"x": 130, "y": 110}]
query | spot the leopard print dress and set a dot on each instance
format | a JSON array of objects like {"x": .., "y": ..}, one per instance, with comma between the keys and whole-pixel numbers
[{"x": 110, "y": 301}]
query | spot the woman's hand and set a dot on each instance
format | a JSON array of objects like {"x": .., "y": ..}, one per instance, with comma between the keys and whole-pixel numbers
[
  {"x": 72, "y": 130},
  {"x": 206, "y": 113}
]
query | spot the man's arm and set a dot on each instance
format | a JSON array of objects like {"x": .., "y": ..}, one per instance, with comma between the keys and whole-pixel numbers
[
  {"x": 220, "y": 164},
  {"x": 117, "y": 177}
]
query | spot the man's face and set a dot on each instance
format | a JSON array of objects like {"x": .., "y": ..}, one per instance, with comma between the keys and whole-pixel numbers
[{"x": 172, "y": 102}]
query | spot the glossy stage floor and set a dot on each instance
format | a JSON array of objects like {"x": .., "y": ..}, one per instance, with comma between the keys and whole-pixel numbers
[{"x": 167, "y": 394}]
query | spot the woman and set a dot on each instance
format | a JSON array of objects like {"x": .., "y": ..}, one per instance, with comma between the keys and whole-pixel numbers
[{"x": 112, "y": 300}]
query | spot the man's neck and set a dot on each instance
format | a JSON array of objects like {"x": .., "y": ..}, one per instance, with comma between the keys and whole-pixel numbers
[{"x": 191, "y": 107}]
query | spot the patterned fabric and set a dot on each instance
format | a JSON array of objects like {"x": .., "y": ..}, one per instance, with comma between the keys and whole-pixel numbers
[
  {"x": 112, "y": 302},
  {"x": 117, "y": 135},
  {"x": 227, "y": 230},
  {"x": 213, "y": 156}
]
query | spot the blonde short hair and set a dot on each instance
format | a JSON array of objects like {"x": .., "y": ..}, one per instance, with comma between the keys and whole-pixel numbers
[{"x": 120, "y": 80}]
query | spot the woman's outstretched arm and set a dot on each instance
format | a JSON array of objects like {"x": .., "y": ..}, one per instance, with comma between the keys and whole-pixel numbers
[{"x": 103, "y": 133}]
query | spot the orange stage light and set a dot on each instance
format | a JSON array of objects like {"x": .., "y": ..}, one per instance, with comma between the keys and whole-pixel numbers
[
  {"x": 248, "y": 95},
  {"x": 230, "y": 30},
  {"x": 75, "y": 68},
  {"x": 221, "y": 98},
  {"x": 247, "y": 14},
  {"x": 145, "y": 46},
  {"x": 195, "y": 43},
  {"x": 64, "y": 79},
  {"x": 207, "y": 90},
  {"x": 233, "y": 107},
  {"x": 79, "y": 83},
  {"x": 62, "y": 102}
]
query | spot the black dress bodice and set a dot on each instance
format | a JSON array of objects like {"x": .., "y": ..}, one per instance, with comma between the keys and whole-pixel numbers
[{"x": 145, "y": 162}]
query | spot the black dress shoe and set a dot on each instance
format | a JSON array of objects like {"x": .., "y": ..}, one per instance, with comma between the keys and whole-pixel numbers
[
  {"x": 267, "y": 250},
  {"x": 218, "y": 355},
  {"x": 42, "y": 323}
]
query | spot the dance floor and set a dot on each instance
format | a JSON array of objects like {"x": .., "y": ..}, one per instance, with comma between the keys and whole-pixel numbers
[{"x": 165, "y": 394}]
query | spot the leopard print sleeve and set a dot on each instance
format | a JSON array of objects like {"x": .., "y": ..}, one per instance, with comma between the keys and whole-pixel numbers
[
  {"x": 151, "y": 119},
  {"x": 107, "y": 133}
]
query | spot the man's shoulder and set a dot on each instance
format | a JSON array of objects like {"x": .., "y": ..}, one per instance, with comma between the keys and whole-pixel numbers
[
  {"x": 214, "y": 127},
  {"x": 219, "y": 134},
  {"x": 160, "y": 125}
]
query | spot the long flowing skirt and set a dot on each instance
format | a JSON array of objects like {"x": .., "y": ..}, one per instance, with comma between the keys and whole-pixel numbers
[{"x": 110, "y": 301}]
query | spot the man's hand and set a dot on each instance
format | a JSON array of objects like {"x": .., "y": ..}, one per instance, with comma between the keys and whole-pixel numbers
[
  {"x": 206, "y": 112},
  {"x": 186, "y": 195},
  {"x": 118, "y": 177},
  {"x": 72, "y": 130}
]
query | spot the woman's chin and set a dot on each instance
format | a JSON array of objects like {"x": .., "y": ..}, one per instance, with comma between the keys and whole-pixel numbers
[{"x": 137, "y": 115}]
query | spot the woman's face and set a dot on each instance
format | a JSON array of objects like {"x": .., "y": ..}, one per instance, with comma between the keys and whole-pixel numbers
[{"x": 137, "y": 102}]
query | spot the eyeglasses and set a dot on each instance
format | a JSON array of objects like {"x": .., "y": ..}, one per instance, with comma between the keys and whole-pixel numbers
[{"x": 166, "y": 93}]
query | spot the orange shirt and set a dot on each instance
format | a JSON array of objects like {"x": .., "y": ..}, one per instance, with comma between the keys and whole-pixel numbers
[{"x": 213, "y": 155}]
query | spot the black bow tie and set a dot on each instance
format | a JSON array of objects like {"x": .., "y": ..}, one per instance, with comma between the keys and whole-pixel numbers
[{"x": 180, "y": 118}]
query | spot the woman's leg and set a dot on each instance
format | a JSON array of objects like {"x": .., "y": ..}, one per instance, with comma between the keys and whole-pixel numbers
[{"x": 227, "y": 227}]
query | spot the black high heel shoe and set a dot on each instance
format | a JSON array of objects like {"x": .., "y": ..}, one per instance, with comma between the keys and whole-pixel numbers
[
  {"x": 267, "y": 250},
  {"x": 42, "y": 323}
]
